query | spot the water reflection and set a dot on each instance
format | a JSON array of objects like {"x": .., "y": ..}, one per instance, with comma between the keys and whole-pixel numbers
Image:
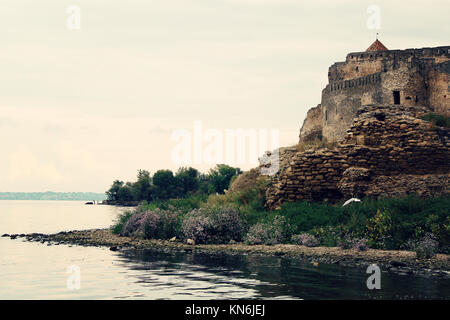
[{"x": 197, "y": 275}]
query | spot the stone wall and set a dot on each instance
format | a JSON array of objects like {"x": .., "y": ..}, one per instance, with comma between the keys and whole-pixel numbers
[
  {"x": 439, "y": 82},
  {"x": 312, "y": 125},
  {"x": 387, "y": 150},
  {"x": 391, "y": 140},
  {"x": 311, "y": 175}
]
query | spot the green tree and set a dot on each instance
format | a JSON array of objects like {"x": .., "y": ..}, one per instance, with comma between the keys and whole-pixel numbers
[
  {"x": 113, "y": 192},
  {"x": 142, "y": 188},
  {"x": 220, "y": 177},
  {"x": 188, "y": 180},
  {"x": 166, "y": 186},
  {"x": 126, "y": 193}
]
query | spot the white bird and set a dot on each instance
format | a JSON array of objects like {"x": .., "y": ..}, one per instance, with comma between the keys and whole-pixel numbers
[{"x": 350, "y": 201}]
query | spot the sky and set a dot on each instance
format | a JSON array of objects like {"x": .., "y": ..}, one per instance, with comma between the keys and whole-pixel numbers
[{"x": 84, "y": 104}]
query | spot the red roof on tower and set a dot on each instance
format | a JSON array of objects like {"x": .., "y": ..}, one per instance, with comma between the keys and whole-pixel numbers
[{"x": 377, "y": 46}]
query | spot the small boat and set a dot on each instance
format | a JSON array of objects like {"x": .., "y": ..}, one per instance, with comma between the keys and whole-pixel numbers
[{"x": 90, "y": 202}]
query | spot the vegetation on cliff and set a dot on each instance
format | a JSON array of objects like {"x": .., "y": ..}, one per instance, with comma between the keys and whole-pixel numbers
[
  {"x": 437, "y": 119},
  {"x": 421, "y": 225}
]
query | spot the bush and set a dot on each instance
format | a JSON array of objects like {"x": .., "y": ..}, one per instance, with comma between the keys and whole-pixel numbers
[
  {"x": 360, "y": 244},
  {"x": 305, "y": 239},
  {"x": 274, "y": 232},
  {"x": 351, "y": 242},
  {"x": 379, "y": 229},
  {"x": 425, "y": 247},
  {"x": 160, "y": 224},
  {"x": 437, "y": 119},
  {"x": 328, "y": 236},
  {"x": 213, "y": 225},
  {"x": 134, "y": 225},
  {"x": 120, "y": 222},
  {"x": 151, "y": 224}
]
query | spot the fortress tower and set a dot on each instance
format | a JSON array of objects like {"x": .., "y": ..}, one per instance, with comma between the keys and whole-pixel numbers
[{"x": 379, "y": 76}]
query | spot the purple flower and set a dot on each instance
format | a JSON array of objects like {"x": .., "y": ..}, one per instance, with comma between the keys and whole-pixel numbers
[
  {"x": 213, "y": 225},
  {"x": 305, "y": 239}
]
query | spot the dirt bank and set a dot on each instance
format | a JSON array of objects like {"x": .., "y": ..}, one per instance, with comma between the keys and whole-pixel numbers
[{"x": 402, "y": 262}]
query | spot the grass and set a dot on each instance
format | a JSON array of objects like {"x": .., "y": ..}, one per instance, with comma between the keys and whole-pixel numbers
[{"x": 437, "y": 119}]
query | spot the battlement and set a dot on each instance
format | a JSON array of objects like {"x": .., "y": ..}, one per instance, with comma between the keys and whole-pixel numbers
[
  {"x": 361, "y": 81},
  {"x": 416, "y": 52},
  {"x": 360, "y": 64}
]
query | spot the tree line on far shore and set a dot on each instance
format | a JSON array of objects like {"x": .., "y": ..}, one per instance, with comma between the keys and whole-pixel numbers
[{"x": 164, "y": 184}]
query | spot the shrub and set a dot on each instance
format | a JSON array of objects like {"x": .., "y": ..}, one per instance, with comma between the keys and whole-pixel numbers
[
  {"x": 196, "y": 226},
  {"x": 360, "y": 244},
  {"x": 351, "y": 242},
  {"x": 274, "y": 232},
  {"x": 160, "y": 224},
  {"x": 134, "y": 225},
  {"x": 437, "y": 119},
  {"x": 328, "y": 235},
  {"x": 425, "y": 247},
  {"x": 151, "y": 224},
  {"x": 305, "y": 239},
  {"x": 213, "y": 225},
  {"x": 120, "y": 222},
  {"x": 378, "y": 229}
]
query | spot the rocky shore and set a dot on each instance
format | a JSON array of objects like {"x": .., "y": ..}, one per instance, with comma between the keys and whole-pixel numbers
[{"x": 401, "y": 262}]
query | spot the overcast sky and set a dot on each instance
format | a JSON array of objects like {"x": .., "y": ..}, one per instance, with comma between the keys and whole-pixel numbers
[{"x": 79, "y": 108}]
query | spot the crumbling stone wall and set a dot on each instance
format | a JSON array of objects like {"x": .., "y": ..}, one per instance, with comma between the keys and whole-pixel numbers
[
  {"x": 391, "y": 140},
  {"x": 311, "y": 175},
  {"x": 312, "y": 125},
  {"x": 387, "y": 151}
]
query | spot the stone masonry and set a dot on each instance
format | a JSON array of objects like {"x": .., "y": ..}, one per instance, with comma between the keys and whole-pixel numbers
[{"x": 388, "y": 150}]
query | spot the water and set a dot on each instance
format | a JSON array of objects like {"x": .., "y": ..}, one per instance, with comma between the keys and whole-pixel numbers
[{"x": 30, "y": 270}]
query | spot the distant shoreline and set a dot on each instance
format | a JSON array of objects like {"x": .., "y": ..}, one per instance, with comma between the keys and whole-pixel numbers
[
  {"x": 50, "y": 195},
  {"x": 401, "y": 262}
]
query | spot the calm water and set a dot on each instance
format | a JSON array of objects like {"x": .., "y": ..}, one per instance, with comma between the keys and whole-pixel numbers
[{"x": 37, "y": 271}]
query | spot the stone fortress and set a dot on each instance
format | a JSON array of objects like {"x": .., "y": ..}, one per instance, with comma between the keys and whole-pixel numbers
[
  {"x": 411, "y": 77},
  {"x": 370, "y": 116}
]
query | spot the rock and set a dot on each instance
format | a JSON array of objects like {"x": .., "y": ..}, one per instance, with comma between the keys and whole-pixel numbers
[
  {"x": 190, "y": 242},
  {"x": 114, "y": 248},
  {"x": 396, "y": 263}
]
